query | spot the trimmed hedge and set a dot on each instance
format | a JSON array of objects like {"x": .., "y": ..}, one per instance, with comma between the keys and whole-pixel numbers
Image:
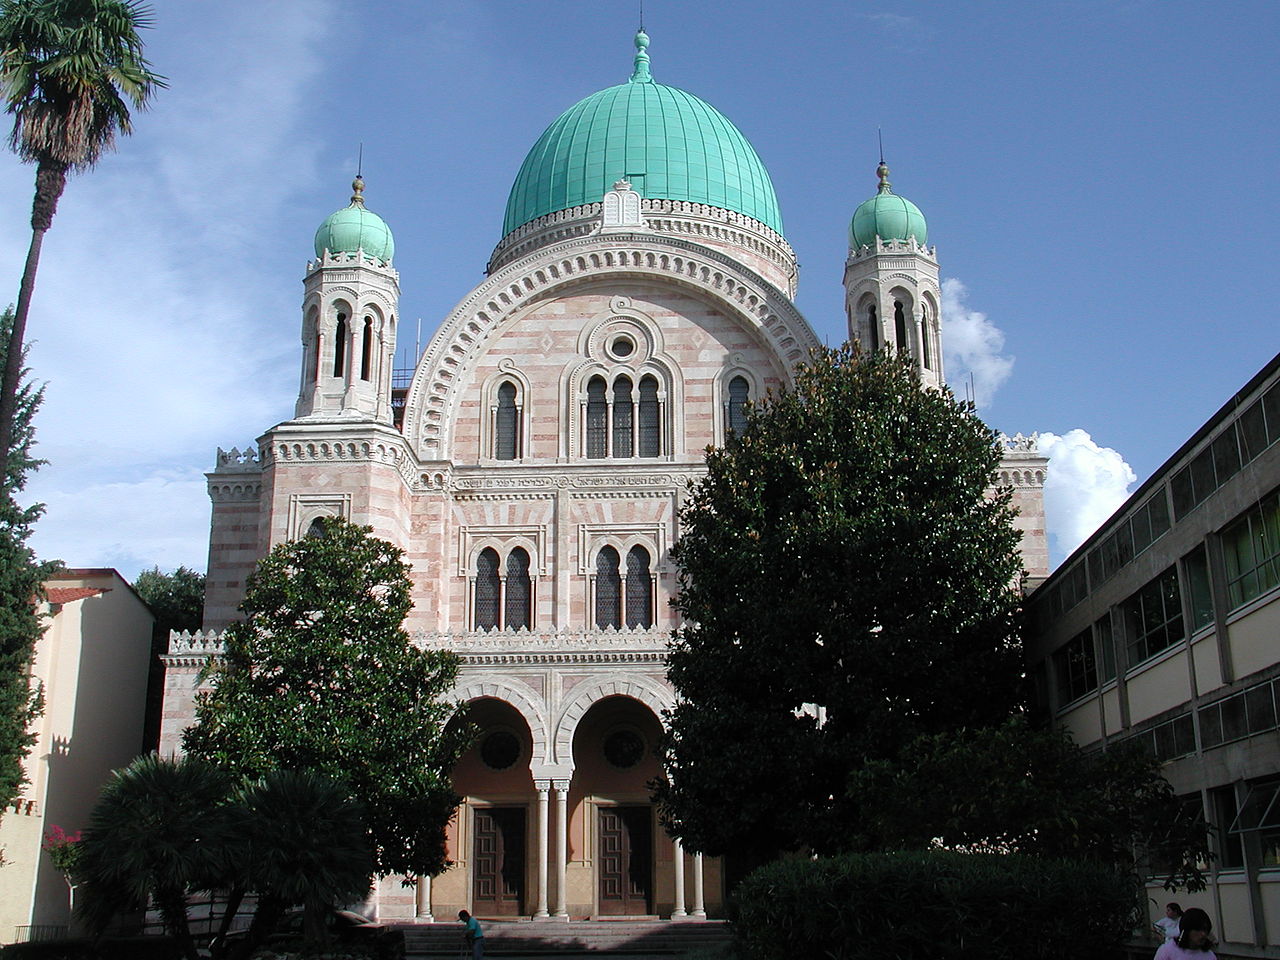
[
  {"x": 114, "y": 948},
  {"x": 933, "y": 904}
]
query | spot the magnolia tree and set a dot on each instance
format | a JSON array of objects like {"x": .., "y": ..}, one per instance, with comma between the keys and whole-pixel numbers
[{"x": 320, "y": 675}]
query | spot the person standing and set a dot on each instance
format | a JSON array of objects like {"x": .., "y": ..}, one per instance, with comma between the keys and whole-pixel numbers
[
  {"x": 1168, "y": 926},
  {"x": 472, "y": 934},
  {"x": 1193, "y": 942}
]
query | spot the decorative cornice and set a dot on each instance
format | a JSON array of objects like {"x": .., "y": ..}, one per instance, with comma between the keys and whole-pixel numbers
[
  {"x": 544, "y": 642},
  {"x": 560, "y": 659},
  {"x": 662, "y": 217}
]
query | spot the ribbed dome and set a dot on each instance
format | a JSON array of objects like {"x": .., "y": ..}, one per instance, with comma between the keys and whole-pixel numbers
[
  {"x": 354, "y": 228},
  {"x": 668, "y": 143},
  {"x": 888, "y": 216}
]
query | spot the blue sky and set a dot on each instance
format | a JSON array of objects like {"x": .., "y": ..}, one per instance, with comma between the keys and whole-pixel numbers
[{"x": 1099, "y": 179}]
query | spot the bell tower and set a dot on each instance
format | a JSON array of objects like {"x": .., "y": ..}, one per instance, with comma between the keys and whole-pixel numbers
[
  {"x": 892, "y": 293},
  {"x": 349, "y": 315}
]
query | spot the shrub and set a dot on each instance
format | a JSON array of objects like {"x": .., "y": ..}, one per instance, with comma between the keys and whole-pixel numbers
[
  {"x": 933, "y": 904},
  {"x": 113, "y": 948}
]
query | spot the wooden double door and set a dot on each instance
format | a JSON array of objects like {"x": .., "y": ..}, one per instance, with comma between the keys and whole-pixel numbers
[
  {"x": 498, "y": 862},
  {"x": 626, "y": 860}
]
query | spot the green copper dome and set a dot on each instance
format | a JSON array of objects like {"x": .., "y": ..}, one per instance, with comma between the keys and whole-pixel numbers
[
  {"x": 355, "y": 228},
  {"x": 887, "y": 216},
  {"x": 668, "y": 143}
]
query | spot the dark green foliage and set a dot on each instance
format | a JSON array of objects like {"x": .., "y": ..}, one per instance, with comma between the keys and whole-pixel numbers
[
  {"x": 176, "y": 599},
  {"x": 321, "y": 676},
  {"x": 841, "y": 553},
  {"x": 933, "y": 905},
  {"x": 112, "y": 948},
  {"x": 21, "y": 578},
  {"x": 159, "y": 831},
  {"x": 1033, "y": 792}
]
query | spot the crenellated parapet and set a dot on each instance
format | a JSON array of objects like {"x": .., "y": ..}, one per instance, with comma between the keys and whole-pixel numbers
[
  {"x": 907, "y": 247},
  {"x": 359, "y": 259},
  {"x": 193, "y": 648}
]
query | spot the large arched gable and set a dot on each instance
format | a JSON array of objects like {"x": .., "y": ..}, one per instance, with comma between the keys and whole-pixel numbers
[{"x": 463, "y": 338}]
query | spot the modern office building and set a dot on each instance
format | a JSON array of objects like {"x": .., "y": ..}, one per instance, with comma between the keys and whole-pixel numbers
[{"x": 1165, "y": 627}]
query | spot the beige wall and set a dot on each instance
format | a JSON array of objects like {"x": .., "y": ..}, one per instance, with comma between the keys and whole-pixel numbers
[{"x": 93, "y": 661}]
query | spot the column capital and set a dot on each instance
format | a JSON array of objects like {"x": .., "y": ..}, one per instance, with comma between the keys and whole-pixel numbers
[
  {"x": 560, "y": 786},
  {"x": 542, "y": 786}
]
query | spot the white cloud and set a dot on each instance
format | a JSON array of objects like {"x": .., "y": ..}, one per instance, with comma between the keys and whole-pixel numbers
[
  {"x": 1085, "y": 485},
  {"x": 165, "y": 314},
  {"x": 971, "y": 346}
]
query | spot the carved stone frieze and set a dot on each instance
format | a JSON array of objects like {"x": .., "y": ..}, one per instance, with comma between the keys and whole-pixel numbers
[
  {"x": 193, "y": 648},
  {"x": 224, "y": 489}
]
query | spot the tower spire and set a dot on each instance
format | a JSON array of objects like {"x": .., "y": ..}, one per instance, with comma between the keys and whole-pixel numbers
[{"x": 641, "y": 72}]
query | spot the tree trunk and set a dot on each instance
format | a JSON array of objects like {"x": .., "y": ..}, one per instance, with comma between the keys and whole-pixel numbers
[
  {"x": 173, "y": 910},
  {"x": 51, "y": 178}
]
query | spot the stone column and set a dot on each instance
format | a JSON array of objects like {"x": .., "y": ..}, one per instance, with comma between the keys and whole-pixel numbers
[
  {"x": 543, "y": 786},
  {"x": 699, "y": 908},
  {"x": 678, "y": 853},
  {"x": 423, "y": 906},
  {"x": 562, "y": 847}
]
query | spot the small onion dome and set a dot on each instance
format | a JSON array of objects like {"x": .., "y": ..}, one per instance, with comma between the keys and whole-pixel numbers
[
  {"x": 354, "y": 228},
  {"x": 887, "y": 216}
]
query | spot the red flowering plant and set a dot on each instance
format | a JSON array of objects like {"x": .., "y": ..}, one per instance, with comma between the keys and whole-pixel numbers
[{"x": 63, "y": 849}]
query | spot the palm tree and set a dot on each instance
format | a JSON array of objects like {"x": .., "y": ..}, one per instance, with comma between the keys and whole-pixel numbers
[
  {"x": 67, "y": 68},
  {"x": 308, "y": 843},
  {"x": 161, "y": 828}
]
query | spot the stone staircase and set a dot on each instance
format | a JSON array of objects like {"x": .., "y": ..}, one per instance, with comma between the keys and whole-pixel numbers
[{"x": 542, "y": 939}]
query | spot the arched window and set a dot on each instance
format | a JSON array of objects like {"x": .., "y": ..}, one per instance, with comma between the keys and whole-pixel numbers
[
  {"x": 316, "y": 529},
  {"x": 623, "y": 418},
  {"x": 873, "y": 323},
  {"x": 608, "y": 589},
  {"x": 924, "y": 340},
  {"x": 517, "y": 609},
  {"x": 488, "y": 589},
  {"x": 899, "y": 325},
  {"x": 340, "y": 346},
  {"x": 650, "y": 423},
  {"x": 597, "y": 419},
  {"x": 506, "y": 428},
  {"x": 366, "y": 353},
  {"x": 639, "y": 589},
  {"x": 736, "y": 409}
]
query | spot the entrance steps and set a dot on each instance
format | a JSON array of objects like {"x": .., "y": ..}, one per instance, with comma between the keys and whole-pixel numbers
[{"x": 545, "y": 938}]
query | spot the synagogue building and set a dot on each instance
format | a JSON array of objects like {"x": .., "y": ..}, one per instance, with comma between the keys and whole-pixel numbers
[{"x": 534, "y": 464}]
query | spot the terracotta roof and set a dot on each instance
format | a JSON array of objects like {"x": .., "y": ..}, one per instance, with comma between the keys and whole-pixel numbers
[{"x": 71, "y": 594}]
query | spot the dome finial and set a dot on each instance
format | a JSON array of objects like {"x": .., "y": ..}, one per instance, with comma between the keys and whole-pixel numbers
[
  {"x": 882, "y": 172},
  {"x": 641, "y": 72},
  {"x": 357, "y": 191}
]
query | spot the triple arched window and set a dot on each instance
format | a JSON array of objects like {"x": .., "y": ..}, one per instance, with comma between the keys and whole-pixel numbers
[
  {"x": 622, "y": 420},
  {"x": 502, "y": 592},
  {"x": 623, "y": 595},
  {"x": 344, "y": 347}
]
